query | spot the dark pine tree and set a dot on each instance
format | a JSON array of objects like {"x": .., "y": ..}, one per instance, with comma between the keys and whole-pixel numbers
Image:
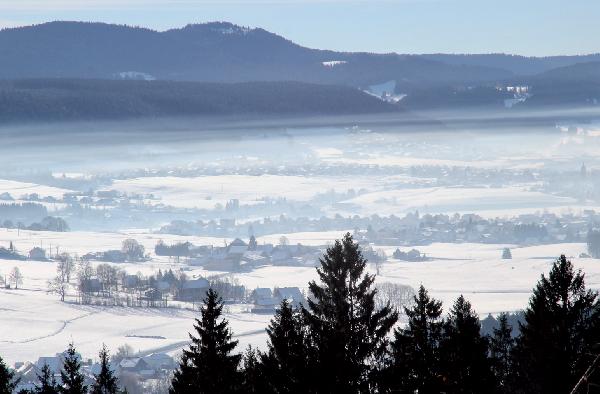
[
  {"x": 253, "y": 377},
  {"x": 562, "y": 324},
  {"x": 285, "y": 363},
  {"x": 501, "y": 349},
  {"x": 466, "y": 367},
  {"x": 348, "y": 335},
  {"x": 71, "y": 376},
  {"x": 208, "y": 365},
  {"x": 7, "y": 379},
  {"x": 46, "y": 382},
  {"x": 415, "y": 349},
  {"x": 105, "y": 382}
]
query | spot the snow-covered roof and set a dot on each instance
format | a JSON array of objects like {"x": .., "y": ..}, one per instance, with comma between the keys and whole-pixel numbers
[
  {"x": 262, "y": 292},
  {"x": 289, "y": 293},
  {"x": 54, "y": 363}
]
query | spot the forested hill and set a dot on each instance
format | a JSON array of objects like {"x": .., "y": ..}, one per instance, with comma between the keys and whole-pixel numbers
[
  {"x": 210, "y": 52},
  {"x": 74, "y": 99}
]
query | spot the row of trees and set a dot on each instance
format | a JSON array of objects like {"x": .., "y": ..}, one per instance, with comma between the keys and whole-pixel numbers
[
  {"x": 341, "y": 342},
  {"x": 72, "y": 379}
]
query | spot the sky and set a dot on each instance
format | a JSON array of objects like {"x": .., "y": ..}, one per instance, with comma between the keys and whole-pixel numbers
[{"x": 526, "y": 27}]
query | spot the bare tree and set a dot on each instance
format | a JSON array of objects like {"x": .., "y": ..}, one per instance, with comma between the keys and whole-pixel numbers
[
  {"x": 397, "y": 294},
  {"x": 67, "y": 265},
  {"x": 284, "y": 241},
  {"x": 16, "y": 277},
  {"x": 85, "y": 271},
  {"x": 122, "y": 352},
  {"x": 108, "y": 276},
  {"x": 56, "y": 285},
  {"x": 132, "y": 249}
]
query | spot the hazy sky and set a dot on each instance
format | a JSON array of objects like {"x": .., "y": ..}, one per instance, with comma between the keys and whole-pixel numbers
[{"x": 531, "y": 27}]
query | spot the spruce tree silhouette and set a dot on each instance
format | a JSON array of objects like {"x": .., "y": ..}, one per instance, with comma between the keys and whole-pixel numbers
[
  {"x": 348, "y": 335},
  {"x": 106, "y": 381},
  {"x": 501, "y": 352},
  {"x": 415, "y": 349},
  {"x": 7, "y": 379},
  {"x": 46, "y": 382},
  {"x": 285, "y": 363},
  {"x": 71, "y": 376},
  {"x": 208, "y": 365},
  {"x": 562, "y": 324},
  {"x": 464, "y": 352}
]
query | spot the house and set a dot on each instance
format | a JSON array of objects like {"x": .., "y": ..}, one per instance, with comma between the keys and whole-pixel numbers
[
  {"x": 253, "y": 259},
  {"x": 37, "y": 254},
  {"x": 160, "y": 361},
  {"x": 263, "y": 300},
  {"x": 114, "y": 256},
  {"x": 194, "y": 290},
  {"x": 281, "y": 256},
  {"x": 28, "y": 376},
  {"x": 55, "y": 363},
  {"x": 292, "y": 294},
  {"x": 236, "y": 249},
  {"x": 136, "y": 365}
]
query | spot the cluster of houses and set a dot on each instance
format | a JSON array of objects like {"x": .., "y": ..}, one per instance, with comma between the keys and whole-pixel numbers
[
  {"x": 11, "y": 253},
  {"x": 525, "y": 229},
  {"x": 416, "y": 229},
  {"x": 241, "y": 256},
  {"x": 146, "y": 368}
]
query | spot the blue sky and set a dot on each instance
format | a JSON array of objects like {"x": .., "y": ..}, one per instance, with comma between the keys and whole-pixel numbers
[{"x": 529, "y": 27}]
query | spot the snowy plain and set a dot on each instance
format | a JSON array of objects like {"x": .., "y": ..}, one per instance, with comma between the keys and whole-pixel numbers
[{"x": 34, "y": 323}]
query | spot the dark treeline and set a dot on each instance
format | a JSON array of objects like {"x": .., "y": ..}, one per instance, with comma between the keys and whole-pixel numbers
[
  {"x": 64, "y": 99},
  {"x": 340, "y": 342}
]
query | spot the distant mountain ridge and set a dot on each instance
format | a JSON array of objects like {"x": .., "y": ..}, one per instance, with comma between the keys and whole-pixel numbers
[
  {"x": 211, "y": 52},
  {"x": 221, "y": 52},
  {"x": 224, "y": 52}
]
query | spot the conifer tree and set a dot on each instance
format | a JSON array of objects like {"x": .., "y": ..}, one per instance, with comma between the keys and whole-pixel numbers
[
  {"x": 464, "y": 352},
  {"x": 71, "y": 376},
  {"x": 208, "y": 365},
  {"x": 253, "y": 377},
  {"x": 348, "y": 335},
  {"x": 501, "y": 349},
  {"x": 47, "y": 382},
  {"x": 106, "y": 382},
  {"x": 415, "y": 349},
  {"x": 285, "y": 363},
  {"x": 7, "y": 379},
  {"x": 562, "y": 324}
]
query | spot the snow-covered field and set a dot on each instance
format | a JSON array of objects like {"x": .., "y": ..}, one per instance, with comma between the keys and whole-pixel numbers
[
  {"x": 206, "y": 191},
  {"x": 17, "y": 189},
  {"x": 455, "y": 199},
  {"x": 35, "y": 323},
  {"x": 398, "y": 172}
]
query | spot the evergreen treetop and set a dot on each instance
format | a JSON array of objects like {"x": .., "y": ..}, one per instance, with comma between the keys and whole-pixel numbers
[
  {"x": 348, "y": 334},
  {"x": 208, "y": 366},
  {"x": 7, "y": 379},
  {"x": 71, "y": 376},
  {"x": 46, "y": 382},
  {"x": 105, "y": 381},
  {"x": 562, "y": 324}
]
